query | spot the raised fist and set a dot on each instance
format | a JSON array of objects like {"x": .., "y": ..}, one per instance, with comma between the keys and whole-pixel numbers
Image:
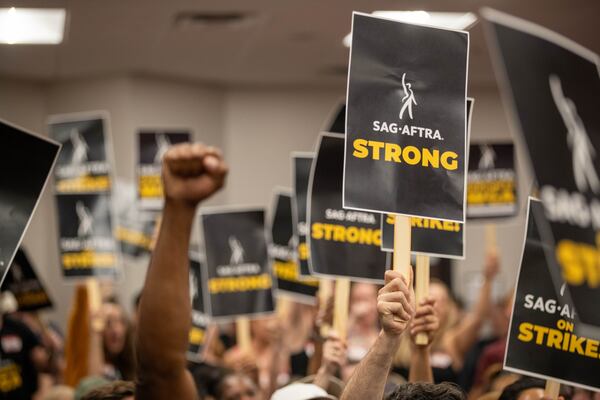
[
  {"x": 395, "y": 303},
  {"x": 192, "y": 173}
]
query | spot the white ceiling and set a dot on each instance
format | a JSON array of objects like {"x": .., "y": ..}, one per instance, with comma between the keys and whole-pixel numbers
[{"x": 285, "y": 42}]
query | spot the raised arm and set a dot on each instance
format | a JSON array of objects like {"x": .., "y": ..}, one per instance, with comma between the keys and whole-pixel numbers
[
  {"x": 395, "y": 307},
  {"x": 191, "y": 173}
]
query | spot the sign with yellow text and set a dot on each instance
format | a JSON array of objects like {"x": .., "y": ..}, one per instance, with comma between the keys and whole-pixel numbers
[
  {"x": 552, "y": 87},
  {"x": 200, "y": 320},
  {"x": 546, "y": 338},
  {"x": 237, "y": 274},
  {"x": 342, "y": 243},
  {"x": 24, "y": 284},
  {"x": 281, "y": 249},
  {"x": 491, "y": 181},
  {"x": 431, "y": 237},
  {"x": 152, "y": 145},
  {"x": 301, "y": 165},
  {"x": 406, "y": 119}
]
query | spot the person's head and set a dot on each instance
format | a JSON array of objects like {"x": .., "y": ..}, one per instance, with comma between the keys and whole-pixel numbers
[
  {"x": 443, "y": 300},
  {"x": 363, "y": 303},
  {"x": 117, "y": 339},
  {"x": 502, "y": 313},
  {"x": 427, "y": 391},
  {"x": 237, "y": 386},
  {"x": 301, "y": 391},
  {"x": 60, "y": 392},
  {"x": 528, "y": 389},
  {"x": 118, "y": 390}
]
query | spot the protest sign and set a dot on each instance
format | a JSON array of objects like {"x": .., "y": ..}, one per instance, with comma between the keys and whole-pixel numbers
[
  {"x": 491, "y": 181},
  {"x": 24, "y": 169},
  {"x": 342, "y": 243},
  {"x": 23, "y": 282},
  {"x": 238, "y": 274},
  {"x": 545, "y": 338},
  {"x": 552, "y": 88},
  {"x": 301, "y": 165},
  {"x": 406, "y": 119},
  {"x": 152, "y": 145},
  {"x": 281, "y": 249},
  {"x": 200, "y": 320}
]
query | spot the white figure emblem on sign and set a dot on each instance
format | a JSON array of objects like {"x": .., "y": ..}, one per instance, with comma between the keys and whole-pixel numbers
[
  {"x": 193, "y": 287},
  {"x": 86, "y": 220},
  {"x": 80, "y": 147},
  {"x": 488, "y": 157},
  {"x": 577, "y": 139},
  {"x": 409, "y": 98},
  {"x": 162, "y": 145},
  {"x": 237, "y": 251}
]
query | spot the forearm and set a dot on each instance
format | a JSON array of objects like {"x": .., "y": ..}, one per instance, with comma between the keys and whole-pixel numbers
[
  {"x": 165, "y": 310},
  {"x": 420, "y": 365},
  {"x": 465, "y": 334},
  {"x": 96, "y": 354},
  {"x": 369, "y": 378}
]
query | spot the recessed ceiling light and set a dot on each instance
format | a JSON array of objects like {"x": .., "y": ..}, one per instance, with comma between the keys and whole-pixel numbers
[
  {"x": 450, "y": 20},
  {"x": 32, "y": 25}
]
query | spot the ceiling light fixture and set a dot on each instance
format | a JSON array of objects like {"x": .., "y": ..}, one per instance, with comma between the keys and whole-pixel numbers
[
  {"x": 450, "y": 20},
  {"x": 32, "y": 25}
]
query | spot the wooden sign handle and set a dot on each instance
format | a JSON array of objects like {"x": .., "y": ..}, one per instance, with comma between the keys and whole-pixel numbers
[
  {"x": 491, "y": 242},
  {"x": 402, "y": 245},
  {"x": 242, "y": 331},
  {"x": 325, "y": 292},
  {"x": 422, "y": 291},
  {"x": 340, "y": 310},
  {"x": 94, "y": 294},
  {"x": 552, "y": 389}
]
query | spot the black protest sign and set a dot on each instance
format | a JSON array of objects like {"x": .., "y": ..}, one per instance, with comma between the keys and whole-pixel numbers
[
  {"x": 200, "y": 320},
  {"x": 237, "y": 272},
  {"x": 152, "y": 145},
  {"x": 83, "y": 164},
  {"x": 545, "y": 338},
  {"x": 135, "y": 234},
  {"x": 491, "y": 181},
  {"x": 25, "y": 165},
  {"x": 431, "y": 237},
  {"x": 281, "y": 250},
  {"x": 406, "y": 119},
  {"x": 301, "y": 165},
  {"x": 24, "y": 284},
  {"x": 86, "y": 242},
  {"x": 553, "y": 88},
  {"x": 342, "y": 243}
]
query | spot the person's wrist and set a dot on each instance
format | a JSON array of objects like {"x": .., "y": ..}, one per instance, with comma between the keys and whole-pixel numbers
[
  {"x": 392, "y": 338},
  {"x": 180, "y": 204}
]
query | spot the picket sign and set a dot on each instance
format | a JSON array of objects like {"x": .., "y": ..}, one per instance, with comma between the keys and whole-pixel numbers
[
  {"x": 242, "y": 331},
  {"x": 340, "y": 311},
  {"x": 422, "y": 291},
  {"x": 552, "y": 389},
  {"x": 325, "y": 292}
]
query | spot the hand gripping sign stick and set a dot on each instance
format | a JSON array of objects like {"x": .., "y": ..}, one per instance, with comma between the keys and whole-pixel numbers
[{"x": 325, "y": 290}]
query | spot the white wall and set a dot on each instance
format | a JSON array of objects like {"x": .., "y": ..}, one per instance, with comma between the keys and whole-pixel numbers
[{"x": 257, "y": 128}]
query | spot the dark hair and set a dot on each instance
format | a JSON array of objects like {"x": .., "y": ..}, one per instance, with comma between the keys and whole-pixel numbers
[
  {"x": 125, "y": 361},
  {"x": 117, "y": 390},
  {"x": 220, "y": 387},
  {"x": 512, "y": 391},
  {"x": 427, "y": 391}
]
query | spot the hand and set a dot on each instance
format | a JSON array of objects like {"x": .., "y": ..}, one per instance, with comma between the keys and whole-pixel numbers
[
  {"x": 324, "y": 314},
  {"x": 241, "y": 361},
  {"x": 395, "y": 303},
  {"x": 492, "y": 265},
  {"x": 192, "y": 173},
  {"x": 425, "y": 320},
  {"x": 98, "y": 320},
  {"x": 334, "y": 354}
]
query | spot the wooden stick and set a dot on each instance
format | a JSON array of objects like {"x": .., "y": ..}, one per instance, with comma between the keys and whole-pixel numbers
[
  {"x": 491, "y": 242},
  {"x": 552, "y": 389},
  {"x": 94, "y": 295},
  {"x": 325, "y": 292},
  {"x": 244, "y": 338},
  {"x": 422, "y": 291},
  {"x": 340, "y": 310},
  {"x": 402, "y": 245}
]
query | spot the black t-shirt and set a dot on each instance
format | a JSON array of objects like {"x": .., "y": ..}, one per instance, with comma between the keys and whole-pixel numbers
[{"x": 18, "y": 376}]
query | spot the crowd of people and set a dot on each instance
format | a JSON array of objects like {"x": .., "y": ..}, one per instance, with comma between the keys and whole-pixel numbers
[{"x": 107, "y": 354}]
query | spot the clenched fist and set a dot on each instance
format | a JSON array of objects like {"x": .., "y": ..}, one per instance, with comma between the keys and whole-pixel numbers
[
  {"x": 395, "y": 303},
  {"x": 192, "y": 173}
]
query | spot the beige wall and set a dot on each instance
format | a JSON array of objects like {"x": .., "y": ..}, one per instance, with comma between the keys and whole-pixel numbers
[{"x": 257, "y": 128}]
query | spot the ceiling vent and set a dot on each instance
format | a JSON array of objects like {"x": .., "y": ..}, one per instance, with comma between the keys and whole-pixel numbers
[{"x": 202, "y": 19}]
